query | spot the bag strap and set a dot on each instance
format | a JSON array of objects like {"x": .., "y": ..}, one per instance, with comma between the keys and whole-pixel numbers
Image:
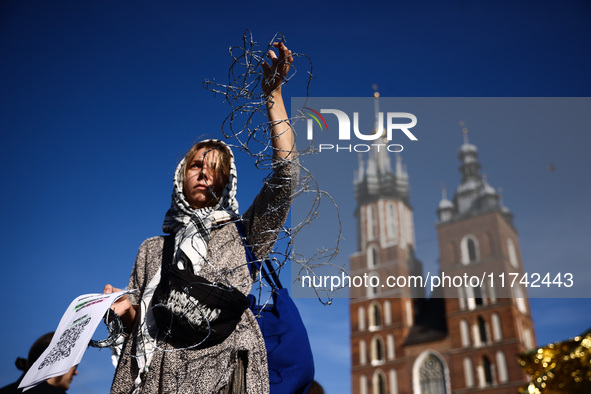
[
  {"x": 167, "y": 253},
  {"x": 254, "y": 264}
]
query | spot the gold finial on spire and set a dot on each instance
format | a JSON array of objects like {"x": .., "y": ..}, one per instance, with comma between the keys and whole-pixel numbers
[
  {"x": 377, "y": 126},
  {"x": 443, "y": 191},
  {"x": 465, "y": 131}
]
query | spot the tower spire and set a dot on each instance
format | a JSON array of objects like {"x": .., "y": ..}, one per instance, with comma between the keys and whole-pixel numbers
[
  {"x": 375, "y": 176},
  {"x": 465, "y": 132},
  {"x": 376, "y": 107},
  {"x": 474, "y": 194}
]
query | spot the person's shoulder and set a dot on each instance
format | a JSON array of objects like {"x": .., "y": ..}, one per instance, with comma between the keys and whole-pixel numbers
[
  {"x": 11, "y": 388},
  {"x": 156, "y": 239},
  {"x": 41, "y": 388},
  {"x": 153, "y": 243},
  {"x": 46, "y": 388}
]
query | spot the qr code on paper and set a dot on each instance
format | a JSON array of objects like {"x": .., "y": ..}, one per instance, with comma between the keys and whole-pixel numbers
[{"x": 67, "y": 341}]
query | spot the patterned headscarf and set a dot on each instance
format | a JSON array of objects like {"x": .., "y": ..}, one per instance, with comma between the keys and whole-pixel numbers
[{"x": 192, "y": 227}]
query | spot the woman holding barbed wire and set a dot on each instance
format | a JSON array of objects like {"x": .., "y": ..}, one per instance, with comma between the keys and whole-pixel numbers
[{"x": 225, "y": 352}]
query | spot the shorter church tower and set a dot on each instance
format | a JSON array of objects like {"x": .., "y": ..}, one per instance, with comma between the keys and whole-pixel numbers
[{"x": 488, "y": 324}]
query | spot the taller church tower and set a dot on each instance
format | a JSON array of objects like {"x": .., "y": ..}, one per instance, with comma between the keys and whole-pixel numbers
[{"x": 381, "y": 317}]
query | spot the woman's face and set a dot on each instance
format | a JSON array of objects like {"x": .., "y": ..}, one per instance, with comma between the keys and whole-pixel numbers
[{"x": 203, "y": 185}]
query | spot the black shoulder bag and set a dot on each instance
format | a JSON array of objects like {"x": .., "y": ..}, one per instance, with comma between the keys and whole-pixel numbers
[{"x": 191, "y": 311}]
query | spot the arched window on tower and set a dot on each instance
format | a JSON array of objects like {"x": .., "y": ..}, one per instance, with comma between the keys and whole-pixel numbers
[
  {"x": 377, "y": 351},
  {"x": 391, "y": 220},
  {"x": 372, "y": 256},
  {"x": 470, "y": 300},
  {"x": 519, "y": 298},
  {"x": 512, "y": 253},
  {"x": 464, "y": 333},
  {"x": 476, "y": 335},
  {"x": 373, "y": 288},
  {"x": 468, "y": 372},
  {"x": 496, "y": 324},
  {"x": 379, "y": 383},
  {"x": 375, "y": 318},
  {"x": 362, "y": 352},
  {"x": 492, "y": 295},
  {"x": 363, "y": 384},
  {"x": 391, "y": 347},
  {"x": 478, "y": 299},
  {"x": 372, "y": 223},
  {"x": 393, "y": 382},
  {"x": 432, "y": 376},
  {"x": 409, "y": 313},
  {"x": 528, "y": 338},
  {"x": 502, "y": 367},
  {"x": 361, "y": 318},
  {"x": 482, "y": 330},
  {"x": 462, "y": 298},
  {"x": 488, "y": 375},
  {"x": 470, "y": 251},
  {"x": 387, "y": 313}
]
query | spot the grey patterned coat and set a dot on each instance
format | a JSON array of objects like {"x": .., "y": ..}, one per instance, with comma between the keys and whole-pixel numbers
[{"x": 211, "y": 370}]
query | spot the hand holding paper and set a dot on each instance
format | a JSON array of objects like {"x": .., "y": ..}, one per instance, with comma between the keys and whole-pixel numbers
[{"x": 71, "y": 338}]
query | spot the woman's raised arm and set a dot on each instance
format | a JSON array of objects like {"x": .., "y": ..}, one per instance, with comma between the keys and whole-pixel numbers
[{"x": 281, "y": 133}]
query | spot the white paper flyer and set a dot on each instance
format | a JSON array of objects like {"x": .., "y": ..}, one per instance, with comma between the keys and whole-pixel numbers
[{"x": 71, "y": 338}]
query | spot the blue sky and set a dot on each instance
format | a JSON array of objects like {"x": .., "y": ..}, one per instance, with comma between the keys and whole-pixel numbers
[{"x": 100, "y": 100}]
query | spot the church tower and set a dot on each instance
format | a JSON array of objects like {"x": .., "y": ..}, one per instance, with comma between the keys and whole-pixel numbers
[
  {"x": 488, "y": 324},
  {"x": 462, "y": 340},
  {"x": 381, "y": 317}
]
